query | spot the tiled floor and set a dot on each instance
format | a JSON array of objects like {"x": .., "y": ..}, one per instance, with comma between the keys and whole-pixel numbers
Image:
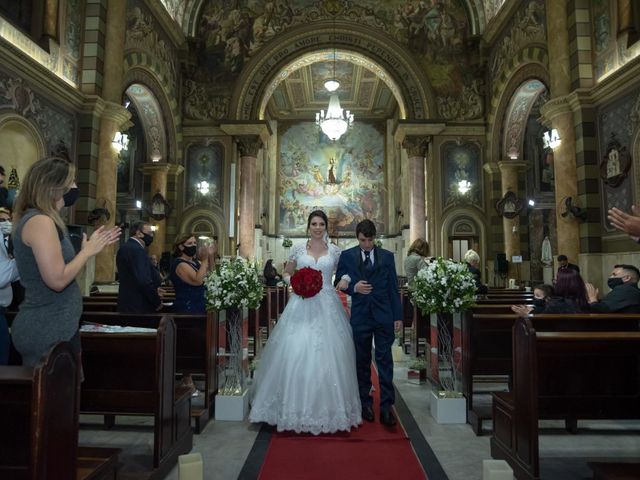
[{"x": 224, "y": 446}]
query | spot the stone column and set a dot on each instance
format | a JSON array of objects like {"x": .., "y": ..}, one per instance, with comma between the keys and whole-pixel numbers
[
  {"x": 113, "y": 118},
  {"x": 158, "y": 173},
  {"x": 509, "y": 173},
  {"x": 248, "y": 146},
  {"x": 557, "y": 114},
  {"x": 416, "y": 146}
]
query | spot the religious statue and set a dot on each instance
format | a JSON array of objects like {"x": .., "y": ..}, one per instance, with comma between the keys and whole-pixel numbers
[{"x": 331, "y": 176}]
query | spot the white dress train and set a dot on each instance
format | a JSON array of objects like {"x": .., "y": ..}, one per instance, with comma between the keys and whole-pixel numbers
[{"x": 306, "y": 376}]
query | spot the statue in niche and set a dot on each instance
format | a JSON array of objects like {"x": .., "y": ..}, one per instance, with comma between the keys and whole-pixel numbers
[{"x": 160, "y": 208}]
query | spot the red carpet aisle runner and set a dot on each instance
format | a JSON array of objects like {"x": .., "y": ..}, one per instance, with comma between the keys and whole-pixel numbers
[{"x": 369, "y": 452}]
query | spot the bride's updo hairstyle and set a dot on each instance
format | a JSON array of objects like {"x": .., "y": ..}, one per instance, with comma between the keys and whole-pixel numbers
[{"x": 322, "y": 215}]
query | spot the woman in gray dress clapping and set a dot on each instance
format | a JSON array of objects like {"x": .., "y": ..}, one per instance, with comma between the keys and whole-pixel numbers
[{"x": 47, "y": 262}]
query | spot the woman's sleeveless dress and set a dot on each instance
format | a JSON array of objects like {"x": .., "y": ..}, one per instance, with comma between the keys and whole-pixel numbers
[{"x": 46, "y": 317}]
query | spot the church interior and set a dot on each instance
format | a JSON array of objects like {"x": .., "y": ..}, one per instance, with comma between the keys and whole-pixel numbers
[{"x": 504, "y": 126}]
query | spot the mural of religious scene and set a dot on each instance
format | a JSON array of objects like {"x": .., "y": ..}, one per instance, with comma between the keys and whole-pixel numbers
[
  {"x": 344, "y": 178},
  {"x": 229, "y": 33},
  {"x": 461, "y": 161},
  {"x": 205, "y": 167}
]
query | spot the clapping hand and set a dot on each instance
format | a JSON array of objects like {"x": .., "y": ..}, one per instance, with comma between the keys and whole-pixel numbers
[
  {"x": 522, "y": 309},
  {"x": 99, "y": 239},
  {"x": 627, "y": 223}
]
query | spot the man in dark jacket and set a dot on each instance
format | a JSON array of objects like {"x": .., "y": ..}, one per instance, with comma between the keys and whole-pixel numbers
[
  {"x": 563, "y": 262},
  {"x": 624, "y": 296},
  {"x": 139, "y": 282}
]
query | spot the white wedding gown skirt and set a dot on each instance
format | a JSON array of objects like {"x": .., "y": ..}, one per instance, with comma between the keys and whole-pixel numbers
[{"x": 306, "y": 379}]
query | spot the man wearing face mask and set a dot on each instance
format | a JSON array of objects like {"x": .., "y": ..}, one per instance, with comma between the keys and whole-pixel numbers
[
  {"x": 138, "y": 290},
  {"x": 624, "y": 296},
  {"x": 8, "y": 274}
]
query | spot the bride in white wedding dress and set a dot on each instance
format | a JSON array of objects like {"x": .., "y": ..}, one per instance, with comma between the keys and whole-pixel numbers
[{"x": 306, "y": 376}]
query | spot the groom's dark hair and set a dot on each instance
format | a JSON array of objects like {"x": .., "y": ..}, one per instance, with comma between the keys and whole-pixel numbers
[{"x": 366, "y": 228}]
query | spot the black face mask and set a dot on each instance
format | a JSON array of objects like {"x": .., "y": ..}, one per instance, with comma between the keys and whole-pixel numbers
[
  {"x": 539, "y": 302},
  {"x": 71, "y": 196},
  {"x": 147, "y": 239},
  {"x": 189, "y": 251},
  {"x": 614, "y": 282}
]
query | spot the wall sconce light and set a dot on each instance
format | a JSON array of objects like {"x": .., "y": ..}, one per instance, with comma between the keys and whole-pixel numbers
[
  {"x": 551, "y": 139},
  {"x": 154, "y": 228},
  {"x": 464, "y": 186},
  {"x": 532, "y": 202},
  {"x": 399, "y": 213},
  {"x": 203, "y": 187},
  {"x": 120, "y": 141},
  {"x": 264, "y": 214},
  {"x": 138, "y": 203}
]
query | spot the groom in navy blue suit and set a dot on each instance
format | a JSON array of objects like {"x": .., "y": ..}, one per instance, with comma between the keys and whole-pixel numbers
[{"x": 375, "y": 313}]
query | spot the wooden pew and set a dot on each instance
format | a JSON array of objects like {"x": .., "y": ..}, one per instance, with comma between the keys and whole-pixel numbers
[
  {"x": 487, "y": 345},
  {"x": 39, "y": 418},
  {"x": 196, "y": 349},
  {"x": 563, "y": 375},
  {"x": 134, "y": 374}
]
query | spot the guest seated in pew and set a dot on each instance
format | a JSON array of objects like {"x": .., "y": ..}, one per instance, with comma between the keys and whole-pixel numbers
[
  {"x": 541, "y": 296},
  {"x": 47, "y": 262},
  {"x": 417, "y": 258},
  {"x": 624, "y": 296},
  {"x": 472, "y": 260},
  {"x": 188, "y": 270},
  {"x": 271, "y": 275},
  {"x": 570, "y": 294}
]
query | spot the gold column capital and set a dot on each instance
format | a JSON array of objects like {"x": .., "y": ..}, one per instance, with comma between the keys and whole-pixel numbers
[
  {"x": 169, "y": 168},
  {"x": 511, "y": 165},
  {"x": 116, "y": 113},
  {"x": 554, "y": 108},
  {"x": 416, "y": 145},
  {"x": 248, "y": 145}
]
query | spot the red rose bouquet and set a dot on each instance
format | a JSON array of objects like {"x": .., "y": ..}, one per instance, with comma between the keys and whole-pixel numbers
[{"x": 306, "y": 282}]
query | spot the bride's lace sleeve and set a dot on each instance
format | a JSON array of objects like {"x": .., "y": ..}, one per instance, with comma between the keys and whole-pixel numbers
[
  {"x": 296, "y": 251},
  {"x": 334, "y": 251}
]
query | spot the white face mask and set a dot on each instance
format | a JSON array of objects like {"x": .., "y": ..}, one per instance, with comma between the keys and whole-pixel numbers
[{"x": 5, "y": 227}]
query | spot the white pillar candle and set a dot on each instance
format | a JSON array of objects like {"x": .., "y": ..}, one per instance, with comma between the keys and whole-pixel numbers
[
  {"x": 190, "y": 467},
  {"x": 496, "y": 470}
]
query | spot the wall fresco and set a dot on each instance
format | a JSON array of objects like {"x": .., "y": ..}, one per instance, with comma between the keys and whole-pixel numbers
[
  {"x": 435, "y": 32},
  {"x": 205, "y": 163},
  {"x": 461, "y": 161},
  {"x": 344, "y": 178}
]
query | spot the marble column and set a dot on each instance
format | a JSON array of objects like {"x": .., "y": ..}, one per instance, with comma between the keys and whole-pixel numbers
[
  {"x": 556, "y": 113},
  {"x": 159, "y": 173},
  {"x": 509, "y": 173},
  {"x": 248, "y": 146},
  {"x": 113, "y": 118},
  {"x": 416, "y": 147}
]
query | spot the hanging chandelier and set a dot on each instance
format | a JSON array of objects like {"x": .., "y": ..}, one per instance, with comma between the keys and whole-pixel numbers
[{"x": 335, "y": 121}]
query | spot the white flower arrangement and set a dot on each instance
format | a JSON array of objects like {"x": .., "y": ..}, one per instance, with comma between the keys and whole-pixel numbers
[
  {"x": 234, "y": 284},
  {"x": 443, "y": 286}
]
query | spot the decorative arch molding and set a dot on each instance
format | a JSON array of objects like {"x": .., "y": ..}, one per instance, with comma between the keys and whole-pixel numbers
[
  {"x": 139, "y": 69},
  {"x": 211, "y": 216},
  {"x": 524, "y": 69},
  {"x": 454, "y": 216},
  {"x": 8, "y": 118},
  {"x": 262, "y": 70},
  {"x": 516, "y": 115},
  {"x": 152, "y": 120}
]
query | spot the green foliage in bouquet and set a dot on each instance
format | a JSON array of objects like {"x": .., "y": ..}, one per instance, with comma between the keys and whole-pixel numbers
[
  {"x": 443, "y": 286},
  {"x": 234, "y": 284}
]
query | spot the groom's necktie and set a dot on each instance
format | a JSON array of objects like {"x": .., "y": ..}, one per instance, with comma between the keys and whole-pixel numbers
[{"x": 368, "y": 266}]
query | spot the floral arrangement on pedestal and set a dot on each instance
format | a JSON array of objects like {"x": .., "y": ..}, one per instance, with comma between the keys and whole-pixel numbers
[
  {"x": 444, "y": 287},
  {"x": 231, "y": 288}
]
